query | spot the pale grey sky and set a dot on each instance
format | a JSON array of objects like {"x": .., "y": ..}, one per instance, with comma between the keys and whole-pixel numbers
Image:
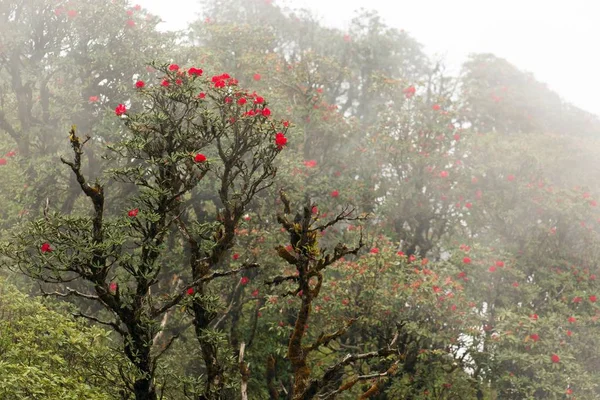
[{"x": 557, "y": 40}]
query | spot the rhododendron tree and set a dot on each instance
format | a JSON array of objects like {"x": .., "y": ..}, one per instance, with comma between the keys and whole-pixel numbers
[{"x": 157, "y": 166}]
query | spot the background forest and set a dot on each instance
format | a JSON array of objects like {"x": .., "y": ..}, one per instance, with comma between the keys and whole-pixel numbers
[{"x": 263, "y": 207}]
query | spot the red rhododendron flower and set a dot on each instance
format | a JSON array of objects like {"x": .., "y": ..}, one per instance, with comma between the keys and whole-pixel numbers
[
  {"x": 256, "y": 77},
  {"x": 173, "y": 67},
  {"x": 134, "y": 212},
  {"x": 244, "y": 280},
  {"x": 443, "y": 174},
  {"x": 534, "y": 317},
  {"x": 401, "y": 253},
  {"x": 130, "y": 23},
  {"x": 436, "y": 107},
  {"x": 195, "y": 72},
  {"x": 178, "y": 82},
  {"x": 456, "y": 137},
  {"x": 593, "y": 298},
  {"x": 241, "y": 101},
  {"x": 374, "y": 250},
  {"x": 137, "y": 7},
  {"x": 412, "y": 258},
  {"x": 492, "y": 268},
  {"x": 280, "y": 140},
  {"x": 165, "y": 83},
  {"x": 569, "y": 333},
  {"x": 202, "y": 95},
  {"x": 45, "y": 248},
  {"x": 72, "y": 13},
  {"x": 11, "y": 153},
  {"x": 310, "y": 163},
  {"x": 259, "y": 100},
  {"x": 113, "y": 287},
  {"x": 462, "y": 274},
  {"x": 409, "y": 92},
  {"x": 510, "y": 178},
  {"x": 93, "y": 99},
  {"x": 555, "y": 358},
  {"x": 140, "y": 84},
  {"x": 499, "y": 263},
  {"x": 236, "y": 256},
  {"x": 335, "y": 193},
  {"x": 436, "y": 289},
  {"x": 2, "y": 161},
  {"x": 120, "y": 110},
  {"x": 577, "y": 299},
  {"x": 467, "y": 260},
  {"x": 200, "y": 158},
  {"x": 190, "y": 291},
  {"x": 535, "y": 337},
  {"x": 286, "y": 124},
  {"x": 572, "y": 320},
  {"x": 266, "y": 112},
  {"x": 255, "y": 293},
  {"x": 515, "y": 284}
]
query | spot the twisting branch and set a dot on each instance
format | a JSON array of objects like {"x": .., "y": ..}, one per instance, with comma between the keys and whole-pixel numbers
[
  {"x": 333, "y": 371},
  {"x": 95, "y": 193},
  {"x": 278, "y": 280},
  {"x": 324, "y": 339}
]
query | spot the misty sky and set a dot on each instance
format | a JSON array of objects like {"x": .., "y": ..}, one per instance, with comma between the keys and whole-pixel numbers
[{"x": 557, "y": 40}]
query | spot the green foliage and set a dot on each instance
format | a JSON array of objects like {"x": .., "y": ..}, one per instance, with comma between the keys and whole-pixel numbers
[{"x": 47, "y": 355}]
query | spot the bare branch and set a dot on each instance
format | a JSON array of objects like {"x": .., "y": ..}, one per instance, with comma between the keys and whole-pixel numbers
[
  {"x": 183, "y": 292},
  {"x": 112, "y": 324}
]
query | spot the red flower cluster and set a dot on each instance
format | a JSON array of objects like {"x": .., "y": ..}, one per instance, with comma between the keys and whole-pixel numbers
[
  {"x": 220, "y": 81},
  {"x": 45, "y": 248},
  {"x": 200, "y": 158},
  {"x": 409, "y": 92},
  {"x": 195, "y": 72},
  {"x": 140, "y": 84},
  {"x": 280, "y": 140},
  {"x": 133, "y": 213},
  {"x": 120, "y": 110}
]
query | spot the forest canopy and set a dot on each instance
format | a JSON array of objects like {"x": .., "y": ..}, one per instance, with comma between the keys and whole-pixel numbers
[{"x": 266, "y": 207}]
